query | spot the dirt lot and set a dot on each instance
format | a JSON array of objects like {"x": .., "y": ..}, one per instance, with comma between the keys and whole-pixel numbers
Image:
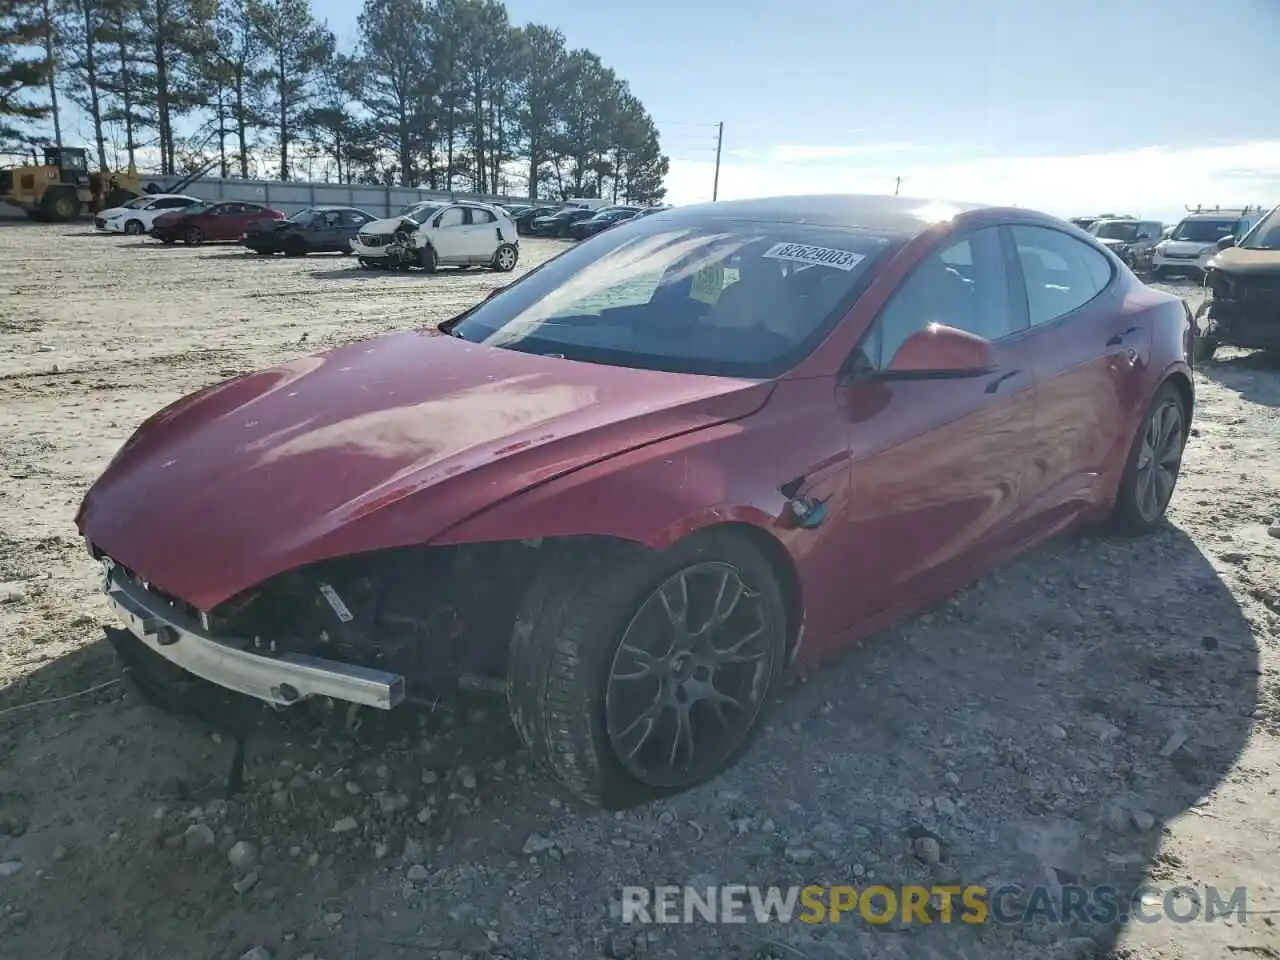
[{"x": 1035, "y": 725}]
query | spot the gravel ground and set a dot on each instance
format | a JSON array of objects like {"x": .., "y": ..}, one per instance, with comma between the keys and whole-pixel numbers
[{"x": 1100, "y": 712}]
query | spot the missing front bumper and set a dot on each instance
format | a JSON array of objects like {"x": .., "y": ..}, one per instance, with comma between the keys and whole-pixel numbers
[{"x": 281, "y": 681}]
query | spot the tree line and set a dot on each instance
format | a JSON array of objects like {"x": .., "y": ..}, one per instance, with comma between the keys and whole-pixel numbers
[{"x": 442, "y": 94}]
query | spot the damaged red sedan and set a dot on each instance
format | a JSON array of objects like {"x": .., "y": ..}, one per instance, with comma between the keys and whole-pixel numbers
[{"x": 637, "y": 486}]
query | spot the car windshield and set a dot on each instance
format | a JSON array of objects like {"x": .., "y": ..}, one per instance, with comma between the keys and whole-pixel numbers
[
  {"x": 425, "y": 212},
  {"x": 303, "y": 217},
  {"x": 1204, "y": 231},
  {"x": 724, "y": 298},
  {"x": 1114, "y": 230},
  {"x": 1265, "y": 234},
  {"x": 137, "y": 203}
]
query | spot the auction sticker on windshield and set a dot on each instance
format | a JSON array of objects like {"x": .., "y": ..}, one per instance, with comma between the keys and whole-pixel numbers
[{"x": 819, "y": 256}]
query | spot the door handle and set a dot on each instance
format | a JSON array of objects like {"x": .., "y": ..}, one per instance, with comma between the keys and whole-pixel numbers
[
  {"x": 1118, "y": 338},
  {"x": 995, "y": 385}
]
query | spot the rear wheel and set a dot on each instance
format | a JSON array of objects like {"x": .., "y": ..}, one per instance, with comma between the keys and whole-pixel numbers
[
  {"x": 295, "y": 247},
  {"x": 133, "y": 227},
  {"x": 505, "y": 258},
  {"x": 636, "y": 674},
  {"x": 194, "y": 236},
  {"x": 1151, "y": 471},
  {"x": 427, "y": 258}
]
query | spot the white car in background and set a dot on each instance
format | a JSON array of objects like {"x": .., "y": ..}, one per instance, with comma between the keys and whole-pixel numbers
[
  {"x": 1194, "y": 241},
  {"x": 465, "y": 233},
  {"x": 136, "y": 217}
]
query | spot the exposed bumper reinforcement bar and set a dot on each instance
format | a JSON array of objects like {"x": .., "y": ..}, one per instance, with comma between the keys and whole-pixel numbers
[{"x": 281, "y": 680}]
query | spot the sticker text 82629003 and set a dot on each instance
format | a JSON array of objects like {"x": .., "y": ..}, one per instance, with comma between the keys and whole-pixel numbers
[{"x": 819, "y": 256}]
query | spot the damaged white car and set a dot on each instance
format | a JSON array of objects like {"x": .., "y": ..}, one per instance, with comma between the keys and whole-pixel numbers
[{"x": 431, "y": 235}]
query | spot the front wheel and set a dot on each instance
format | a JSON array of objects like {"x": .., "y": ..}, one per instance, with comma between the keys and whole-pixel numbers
[
  {"x": 636, "y": 674},
  {"x": 506, "y": 257},
  {"x": 193, "y": 237},
  {"x": 1151, "y": 472},
  {"x": 427, "y": 258},
  {"x": 295, "y": 247},
  {"x": 133, "y": 228}
]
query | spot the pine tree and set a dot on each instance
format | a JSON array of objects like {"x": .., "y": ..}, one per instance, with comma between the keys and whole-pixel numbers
[
  {"x": 24, "y": 72},
  {"x": 296, "y": 47}
]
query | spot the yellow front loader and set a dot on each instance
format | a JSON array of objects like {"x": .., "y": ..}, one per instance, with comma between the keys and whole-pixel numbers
[{"x": 62, "y": 188}]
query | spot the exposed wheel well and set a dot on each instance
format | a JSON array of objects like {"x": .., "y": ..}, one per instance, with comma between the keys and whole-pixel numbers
[
  {"x": 1186, "y": 393},
  {"x": 435, "y": 613}
]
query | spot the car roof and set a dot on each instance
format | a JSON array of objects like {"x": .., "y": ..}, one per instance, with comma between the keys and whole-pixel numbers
[
  {"x": 1220, "y": 215},
  {"x": 902, "y": 216}
]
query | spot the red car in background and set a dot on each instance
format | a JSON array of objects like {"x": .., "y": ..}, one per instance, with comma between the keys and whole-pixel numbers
[
  {"x": 637, "y": 486},
  {"x": 211, "y": 222}
]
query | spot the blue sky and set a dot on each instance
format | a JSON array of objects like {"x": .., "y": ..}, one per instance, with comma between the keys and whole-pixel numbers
[{"x": 1069, "y": 105}]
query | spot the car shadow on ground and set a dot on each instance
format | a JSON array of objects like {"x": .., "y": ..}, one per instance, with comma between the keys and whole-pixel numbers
[
  {"x": 1250, "y": 374},
  {"x": 1041, "y": 726},
  {"x": 356, "y": 271}
]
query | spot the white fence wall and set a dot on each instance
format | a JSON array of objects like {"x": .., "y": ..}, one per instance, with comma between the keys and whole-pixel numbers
[{"x": 293, "y": 196}]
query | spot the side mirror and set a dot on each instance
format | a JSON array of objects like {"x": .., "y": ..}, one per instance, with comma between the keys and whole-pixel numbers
[
  {"x": 940, "y": 351},
  {"x": 1228, "y": 241}
]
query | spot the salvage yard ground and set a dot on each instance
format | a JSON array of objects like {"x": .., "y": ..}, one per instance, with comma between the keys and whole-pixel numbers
[{"x": 1102, "y": 712}]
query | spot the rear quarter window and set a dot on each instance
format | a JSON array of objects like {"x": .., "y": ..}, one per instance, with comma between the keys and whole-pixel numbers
[{"x": 1060, "y": 273}]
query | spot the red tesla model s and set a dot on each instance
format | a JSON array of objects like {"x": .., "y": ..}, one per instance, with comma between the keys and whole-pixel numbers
[{"x": 638, "y": 485}]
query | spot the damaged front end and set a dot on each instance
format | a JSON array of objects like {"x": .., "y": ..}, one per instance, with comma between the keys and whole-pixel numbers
[{"x": 374, "y": 629}]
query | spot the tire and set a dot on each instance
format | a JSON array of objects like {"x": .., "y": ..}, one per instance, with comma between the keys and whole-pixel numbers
[
  {"x": 505, "y": 258},
  {"x": 427, "y": 258},
  {"x": 1135, "y": 512},
  {"x": 60, "y": 206},
  {"x": 567, "y": 700},
  {"x": 133, "y": 228},
  {"x": 295, "y": 247},
  {"x": 193, "y": 237}
]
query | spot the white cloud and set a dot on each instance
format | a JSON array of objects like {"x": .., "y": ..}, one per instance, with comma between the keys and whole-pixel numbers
[{"x": 1150, "y": 182}]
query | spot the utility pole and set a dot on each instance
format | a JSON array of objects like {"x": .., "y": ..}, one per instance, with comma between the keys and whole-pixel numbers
[
  {"x": 715, "y": 185},
  {"x": 53, "y": 72},
  {"x": 897, "y": 182}
]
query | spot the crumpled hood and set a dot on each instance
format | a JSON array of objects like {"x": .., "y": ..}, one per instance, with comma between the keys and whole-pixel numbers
[
  {"x": 377, "y": 444},
  {"x": 389, "y": 225},
  {"x": 1238, "y": 262}
]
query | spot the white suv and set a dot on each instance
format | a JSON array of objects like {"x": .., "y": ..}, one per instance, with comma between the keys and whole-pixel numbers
[
  {"x": 137, "y": 216},
  {"x": 429, "y": 235},
  {"x": 1194, "y": 241}
]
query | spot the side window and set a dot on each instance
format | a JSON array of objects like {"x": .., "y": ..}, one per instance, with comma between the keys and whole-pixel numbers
[
  {"x": 332, "y": 218},
  {"x": 482, "y": 216},
  {"x": 964, "y": 285},
  {"x": 222, "y": 209},
  {"x": 1061, "y": 273},
  {"x": 168, "y": 204},
  {"x": 452, "y": 217},
  {"x": 1152, "y": 230},
  {"x": 354, "y": 218}
]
